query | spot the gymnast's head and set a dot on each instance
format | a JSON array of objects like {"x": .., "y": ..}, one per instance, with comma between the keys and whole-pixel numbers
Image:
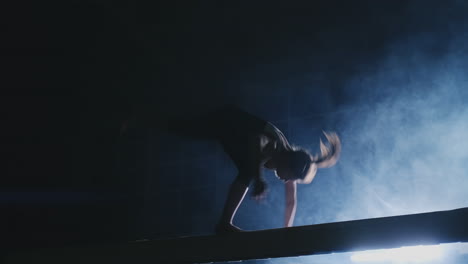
[{"x": 296, "y": 164}]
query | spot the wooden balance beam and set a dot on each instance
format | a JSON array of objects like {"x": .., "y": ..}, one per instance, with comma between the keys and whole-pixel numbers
[{"x": 377, "y": 233}]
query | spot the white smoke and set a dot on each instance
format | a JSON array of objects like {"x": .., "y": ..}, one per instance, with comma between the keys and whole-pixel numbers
[{"x": 409, "y": 148}]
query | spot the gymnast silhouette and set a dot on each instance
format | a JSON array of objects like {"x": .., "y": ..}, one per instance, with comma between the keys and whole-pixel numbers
[{"x": 253, "y": 144}]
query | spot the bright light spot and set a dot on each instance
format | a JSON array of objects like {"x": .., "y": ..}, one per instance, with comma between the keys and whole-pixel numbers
[
  {"x": 461, "y": 248},
  {"x": 403, "y": 254}
]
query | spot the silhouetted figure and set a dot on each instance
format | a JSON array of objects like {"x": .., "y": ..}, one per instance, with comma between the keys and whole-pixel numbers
[{"x": 254, "y": 144}]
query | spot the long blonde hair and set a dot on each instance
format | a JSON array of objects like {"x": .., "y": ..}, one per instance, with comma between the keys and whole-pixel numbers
[{"x": 329, "y": 155}]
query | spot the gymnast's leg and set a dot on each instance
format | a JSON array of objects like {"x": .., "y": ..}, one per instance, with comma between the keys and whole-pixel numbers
[{"x": 235, "y": 196}]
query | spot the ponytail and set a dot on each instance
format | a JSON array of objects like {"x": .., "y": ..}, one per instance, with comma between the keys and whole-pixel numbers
[{"x": 330, "y": 153}]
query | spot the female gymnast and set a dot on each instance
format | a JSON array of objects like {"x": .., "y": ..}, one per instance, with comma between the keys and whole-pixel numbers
[{"x": 254, "y": 144}]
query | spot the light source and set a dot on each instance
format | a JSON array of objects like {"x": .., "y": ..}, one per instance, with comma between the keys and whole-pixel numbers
[{"x": 412, "y": 254}]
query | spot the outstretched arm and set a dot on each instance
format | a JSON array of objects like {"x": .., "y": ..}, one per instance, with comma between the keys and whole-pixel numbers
[{"x": 291, "y": 202}]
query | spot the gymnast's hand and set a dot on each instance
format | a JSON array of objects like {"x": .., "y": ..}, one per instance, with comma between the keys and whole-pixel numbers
[{"x": 259, "y": 190}]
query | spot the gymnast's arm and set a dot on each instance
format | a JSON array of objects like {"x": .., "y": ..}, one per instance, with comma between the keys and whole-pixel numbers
[{"x": 291, "y": 203}]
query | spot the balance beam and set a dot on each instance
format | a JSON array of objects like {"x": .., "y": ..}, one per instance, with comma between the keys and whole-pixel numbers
[{"x": 377, "y": 233}]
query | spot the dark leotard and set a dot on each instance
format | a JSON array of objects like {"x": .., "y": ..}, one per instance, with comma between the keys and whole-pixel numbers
[{"x": 239, "y": 133}]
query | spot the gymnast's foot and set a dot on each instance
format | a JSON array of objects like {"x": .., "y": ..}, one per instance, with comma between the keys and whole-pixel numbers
[{"x": 225, "y": 228}]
